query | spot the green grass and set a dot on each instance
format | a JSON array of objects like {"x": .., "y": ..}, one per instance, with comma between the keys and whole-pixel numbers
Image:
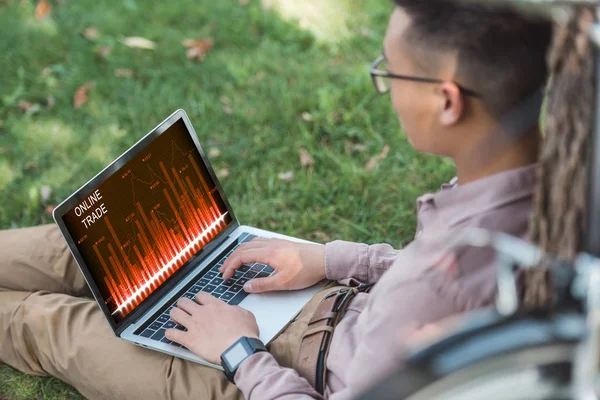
[{"x": 272, "y": 65}]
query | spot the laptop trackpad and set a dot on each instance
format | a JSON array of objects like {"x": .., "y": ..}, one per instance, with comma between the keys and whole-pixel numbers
[{"x": 273, "y": 310}]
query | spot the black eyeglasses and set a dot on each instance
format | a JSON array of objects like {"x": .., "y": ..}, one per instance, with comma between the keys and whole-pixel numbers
[{"x": 382, "y": 78}]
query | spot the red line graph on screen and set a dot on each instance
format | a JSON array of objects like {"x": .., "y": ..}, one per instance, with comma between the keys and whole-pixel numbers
[{"x": 160, "y": 246}]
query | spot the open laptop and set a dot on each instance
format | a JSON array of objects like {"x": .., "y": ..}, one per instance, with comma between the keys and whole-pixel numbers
[{"x": 155, "y": 226}]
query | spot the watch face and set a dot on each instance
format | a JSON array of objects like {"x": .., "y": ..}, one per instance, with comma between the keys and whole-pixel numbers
[{"x": 235, "y": 356}]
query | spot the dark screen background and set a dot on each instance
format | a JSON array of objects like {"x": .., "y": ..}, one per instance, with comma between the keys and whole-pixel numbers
[{"x": 147, "y": 219}]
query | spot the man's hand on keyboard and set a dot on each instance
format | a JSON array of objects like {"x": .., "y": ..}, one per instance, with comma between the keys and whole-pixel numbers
[
  {"x": 296, "y": 265},
  {"x": 212, "y": 325}
]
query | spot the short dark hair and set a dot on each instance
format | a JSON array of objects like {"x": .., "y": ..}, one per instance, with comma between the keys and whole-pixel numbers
[{"x": 502, "y": 52}]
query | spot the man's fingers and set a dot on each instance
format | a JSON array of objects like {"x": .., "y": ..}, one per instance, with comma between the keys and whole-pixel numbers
[
  {"x": 187, "y": 305},
  {"x": 206, "y": 299},
  {"x": 239, "y": 257},
  {"x": 180, "y": 316},
  {"x": 176, "y": 335},
  {"x": 259, "y": 285},
  {"x": 243, "y": 248},
  {"x": 253, "y": 244}
]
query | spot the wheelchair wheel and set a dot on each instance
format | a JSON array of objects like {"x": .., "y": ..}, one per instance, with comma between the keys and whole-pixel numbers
[{"x": 524, "y": 358}]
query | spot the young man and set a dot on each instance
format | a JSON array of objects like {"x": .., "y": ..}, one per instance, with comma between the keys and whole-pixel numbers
[{"x": 463, "y": 81}]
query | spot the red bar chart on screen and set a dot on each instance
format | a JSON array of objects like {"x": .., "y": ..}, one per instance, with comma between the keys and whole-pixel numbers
[{"x": 147, "y": 220}]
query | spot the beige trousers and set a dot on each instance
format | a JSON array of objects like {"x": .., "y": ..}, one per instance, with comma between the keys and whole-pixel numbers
[{"x": 50, "y": 325}]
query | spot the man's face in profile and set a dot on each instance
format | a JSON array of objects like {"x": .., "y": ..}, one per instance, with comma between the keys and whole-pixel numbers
[{"x": 418, "y": 105}]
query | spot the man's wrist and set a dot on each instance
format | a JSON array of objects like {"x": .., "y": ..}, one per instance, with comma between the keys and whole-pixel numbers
[
  {"x": 247, "y": 360},
  {"x": 238, "y": 352}
]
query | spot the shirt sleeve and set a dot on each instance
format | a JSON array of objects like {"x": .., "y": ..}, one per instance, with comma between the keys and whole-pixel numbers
[
  {"x": 260, "y": 377},
  {"x": 365, "y": 263},
  {"x": 396, "y": 315}
]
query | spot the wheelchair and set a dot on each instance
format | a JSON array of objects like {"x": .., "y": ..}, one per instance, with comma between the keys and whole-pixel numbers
[{"x": 505, "y": 354}]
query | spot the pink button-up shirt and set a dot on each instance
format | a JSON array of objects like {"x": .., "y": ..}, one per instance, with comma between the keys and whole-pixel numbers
[{"x": 415, "y": 286}]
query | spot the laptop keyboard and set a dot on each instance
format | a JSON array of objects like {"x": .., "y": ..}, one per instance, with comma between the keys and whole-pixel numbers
[{"x": 230, "y": 291}]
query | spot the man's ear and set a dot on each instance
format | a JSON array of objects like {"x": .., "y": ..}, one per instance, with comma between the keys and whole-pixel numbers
[{"x": 451, "y": 103}]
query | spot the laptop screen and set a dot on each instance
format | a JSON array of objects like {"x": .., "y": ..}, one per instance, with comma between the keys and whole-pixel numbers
[{"x": 146, "y": 220}]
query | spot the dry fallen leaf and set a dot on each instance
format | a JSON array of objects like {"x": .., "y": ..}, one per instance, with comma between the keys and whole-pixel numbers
[
  {"x": 244, "y": 3},
  {"x": 349, "y": 147},
  {"x": 225, "y": 100},
  {"x": 286, "y": 176},
  {"x": 227, "y": 110},
  {"x": 258, "y": 77},
  {"x": 28, "y": 107},
  {"x": 197, "y": 49},
  {"x": 25, "y": 105},
  {"x": 123, "y": 73},
  {"x": 30, "y": 165},
  {"x": 307, "y": 116},
  {"x": 137, "y": 42},
  {"x": 322, "y": 236},
  {"x": 42, "y": 9},
  {"x": 51, "y": 101},
  {"x": 91, "y": 33},
  {"x": 372, "y": 163},
  {"x": 366, "y": 32},
  {"x": 45, "y": 192},
  {"x": 104, "y": 51},
  {"x": 335, "y": 116},
  {"x": 223, "y": 173},
  {"x": 305, "y": 158},
  {"x": 81, "y": 95},
  {"x": 214, "y": 152}
]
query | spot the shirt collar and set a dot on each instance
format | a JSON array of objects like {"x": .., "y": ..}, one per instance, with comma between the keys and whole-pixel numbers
[{"x": 456, "y": 202}]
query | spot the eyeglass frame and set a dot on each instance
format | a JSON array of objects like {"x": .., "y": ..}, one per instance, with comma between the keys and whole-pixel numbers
[{"x": 375, "y": 72}]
